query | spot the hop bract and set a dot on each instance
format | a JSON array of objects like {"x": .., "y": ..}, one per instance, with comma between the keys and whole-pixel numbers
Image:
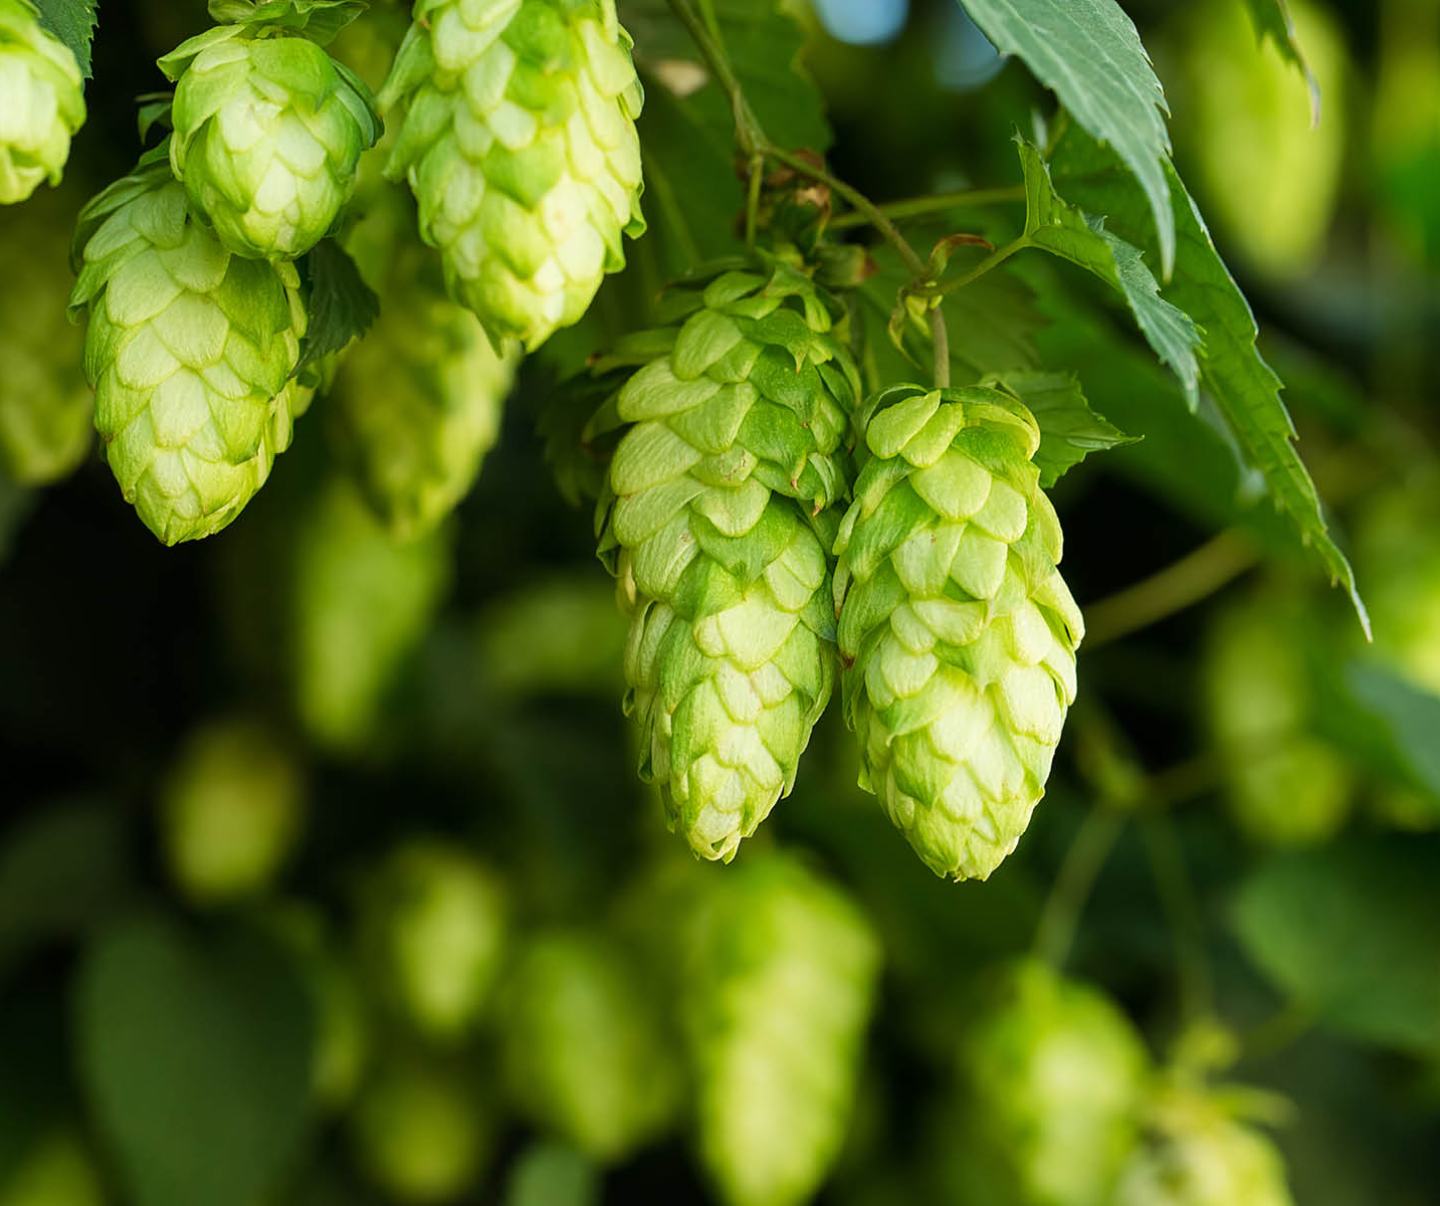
[
  {"x": 268, "y": 134},
  {"x": 957, "y": 629},
  {"x": 713, "y": 527},
  {"x": 41, "y": 102},
  {"x": 191, "y": 352},
  {"x": 519, "y": 142}
]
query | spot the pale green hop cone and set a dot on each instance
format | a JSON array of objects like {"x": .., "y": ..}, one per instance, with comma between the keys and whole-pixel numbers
[
  {"x": 1048, "y": 1097},
  {"x": 519, "y": 142},
  {"x": 778, "y": 986},
  {"x": 957, "y": 630},
  {"x": 46, "y": 407},
  {"x": 42, "y": 102},
  {"x": 714, "y": 524},
  {"x": 584, "y": 1045},
  {"x": 268, "y": 135},
  {"x": 191, "y": 351}
]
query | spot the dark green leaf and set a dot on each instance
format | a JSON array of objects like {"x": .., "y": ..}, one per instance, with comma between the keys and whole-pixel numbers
[
  {"x": 1394, "y": 725},
  {"x": 1349, "y": 933},
  {"x": 549, "y": 1174},
  {"x": 1273, "y": 20},
  {"x": 195, "y": 1053},
  {"x": 1244, "y": 387},
  {"x": 1063, "y": 230},
  {"x": 1069, "y": 429},
  {"x": 1089, "y": 54},
  {"x": 73, "y": 22},
  {"x": 342, "y": 306}
]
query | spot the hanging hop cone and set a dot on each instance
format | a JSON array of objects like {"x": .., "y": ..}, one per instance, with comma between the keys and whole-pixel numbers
[
  {"x": 957, "y": 630},
  {"x": 42, "y": 102},
  {"x": 190, "y": 350},
  {"x": 46, "y": 408},
  {"x": 519, "y": 142},
  {"x": 269, "y": 130},
  {"x": 714, "y": 524}
]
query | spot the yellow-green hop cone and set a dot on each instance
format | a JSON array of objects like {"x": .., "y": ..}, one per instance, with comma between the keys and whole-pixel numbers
[
  {"x": 583, "y": 1045},
  {"x": 519, "y": 142},
  {"x": 418, "y": 403},
  {"x": 778, "y": 985},
  {"x": 1051, "y": 1083},
  {"x": 268, "y": 135},
  {"x": 46, "y": 407},
  {"x": 1198, "y": 1154},
  {"x": 191, "y": 351},
  {"x": 42, "y": 102},
  {"x": 713, "y": 523},
  {"x": 957, "y": 631}
]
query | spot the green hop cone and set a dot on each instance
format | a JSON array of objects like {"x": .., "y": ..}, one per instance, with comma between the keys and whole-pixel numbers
[
  {"x": 1197, "y": 1153},
  {"x": 191, "y": 352},
  {"x": 777, "y": 990},
  {"x": 583, "y": 1045},
  {"x": 714, "y": 525},
  {"x": 433, "y": 931},
  {"x": 231, "y": 812},
  {"x": 46, "y": 407},
  {"x": 519, "y": 142},
  {"x": 1051, "y": 1084},
  {"x": 268, "y": 135},
  {"x": 42, "y": 102},
  {"x": 957, "y": 631}
]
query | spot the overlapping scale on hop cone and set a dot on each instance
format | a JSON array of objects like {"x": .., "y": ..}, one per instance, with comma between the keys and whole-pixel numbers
[
  {"x": 957, "y": 630},
  {"x": 42, "y": 103},
  {"x": 268, "y": 135},
  {"x": 715, "y": 524},
  {"x": 191, "y": 352},
  {"x": 519, "y": 142}
]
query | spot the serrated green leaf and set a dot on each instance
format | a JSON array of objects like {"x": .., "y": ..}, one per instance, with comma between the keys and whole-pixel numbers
[
  {"x": 1059, "y": 228},
  {"x": 1069, "y": 429},
  {"x": 73, "y": 22},
  {"x": 1348, "y": 934},
  {"x": 342, "y": 306},
  {"x": 1244, "y": 386},
  {"x": 1273, "y": 20},
  {"x": 1089, "y": 54}
]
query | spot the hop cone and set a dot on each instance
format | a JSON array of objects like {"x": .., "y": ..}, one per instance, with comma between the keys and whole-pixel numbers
[
  {"x": 46, "y": 408},
  {"x": 710, "y": 525},
  {"x": 41, "y": 102},
  {"x": 419, "y": 401},
  {"x": 1285, "y": 785},
  {"x": 958, "y": 632},
  {"x": 231, "y": 811},
  {"x": 777, "y": 994},
  {"x": 1200, "y": 1155},
  {"x": 1050, "y": 1089},
  {"x": 583, "y": 1045},
  {"x": 190, "y": 350},
  {"x": 268, "y": 135},
  {"x": 433, "y": 928},
  {"x": 519, "y": 142}
]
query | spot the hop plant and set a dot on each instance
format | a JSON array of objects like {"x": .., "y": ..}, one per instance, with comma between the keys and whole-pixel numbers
[
  {"x": 1049, "y": 1094},
  {"x": 957, "y": 631},
  {"x": 55, "y": 1168},
  {"x": 583, "y": 1045},
  {"x": 713, "y": 523},
  {"x": 519, "y": 142},
  {"x": 42, "y": 102},
  {"x": 46, "y": 408},
  {"x": 433, "y": 929},
  {"x": 269, "y": 130},
  {"x": 191, "y": 351},
  {"x": 776, "y": 996}
]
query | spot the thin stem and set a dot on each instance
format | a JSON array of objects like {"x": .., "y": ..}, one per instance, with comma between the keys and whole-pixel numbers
[
  {"x": 747, "y": 128},
  {"x": 1182, "y": 584},
  {"x": 1088, "y": 852},
  {"x": 752, "y": 198},
  {"x": 1177, "y": 898},
  {"x": 919, "y": 207},
  {"x": 940, "y": 338},
  {"x": 993, "y": 260}
]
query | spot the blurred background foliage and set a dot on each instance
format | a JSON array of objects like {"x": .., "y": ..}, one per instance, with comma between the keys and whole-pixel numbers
[{"x": 325, "y": 876}]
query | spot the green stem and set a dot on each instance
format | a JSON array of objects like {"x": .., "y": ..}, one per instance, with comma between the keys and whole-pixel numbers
[
  {"x": 991, "y": 261},
  {"x": 747, "y": 129},
  {"x": 1182, "y": 909},
  {"x": 1088, "y": 852},
  {"x": 919, "y": 207},
  {"x": 752, "y": 198}
]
